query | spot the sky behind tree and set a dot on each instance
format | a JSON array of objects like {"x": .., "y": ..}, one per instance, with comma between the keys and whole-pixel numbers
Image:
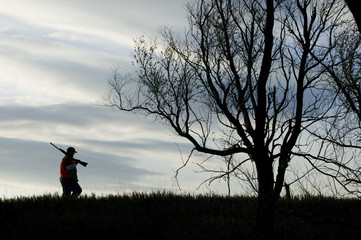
[{"x": 56, "y": 57}]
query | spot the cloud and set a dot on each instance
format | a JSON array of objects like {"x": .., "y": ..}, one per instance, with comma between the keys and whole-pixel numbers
[
  {"x": 93, "y": 127},
  {"x": 36, "y": 164},
  {"x": 39, "y": 72},
  {"x": 54, "y": 47},
  {"x": 120, "y": 148},
  {"x": 92, "y": 119},
  {"x": 117, "y": 21}
]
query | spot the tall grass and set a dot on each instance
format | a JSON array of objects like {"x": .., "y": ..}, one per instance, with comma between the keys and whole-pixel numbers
[{"x": 171, "y": 216}]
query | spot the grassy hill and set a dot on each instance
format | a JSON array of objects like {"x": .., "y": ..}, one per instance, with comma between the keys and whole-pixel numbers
[{"x": 170, "y": 216}]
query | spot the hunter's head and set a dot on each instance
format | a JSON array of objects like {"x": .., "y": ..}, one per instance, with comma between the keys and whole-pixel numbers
[{"x": 70, "y": 151}]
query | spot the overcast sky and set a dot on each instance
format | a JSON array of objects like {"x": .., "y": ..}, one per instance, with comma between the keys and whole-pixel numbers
[{"x": 55, "y": 58}]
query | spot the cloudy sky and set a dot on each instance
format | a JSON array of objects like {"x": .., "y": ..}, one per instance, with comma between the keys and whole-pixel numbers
[{"x": 55, "y": 58}]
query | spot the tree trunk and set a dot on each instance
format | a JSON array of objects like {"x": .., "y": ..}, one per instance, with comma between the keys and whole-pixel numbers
[
  {"x": 266, "y": 203},
  {"x": 265, "y": 219}
]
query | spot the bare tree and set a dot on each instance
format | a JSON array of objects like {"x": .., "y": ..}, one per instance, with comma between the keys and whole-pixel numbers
[{"x": 245, "y": 80}]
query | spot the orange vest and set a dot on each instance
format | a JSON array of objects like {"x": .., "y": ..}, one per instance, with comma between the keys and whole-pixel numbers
[{"x": 66, "y": 161}]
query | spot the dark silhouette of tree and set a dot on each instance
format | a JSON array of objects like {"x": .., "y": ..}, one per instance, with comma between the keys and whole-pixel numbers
[
  {"x": 354, "y": 6},
  {"x": 246, "y": 79}
]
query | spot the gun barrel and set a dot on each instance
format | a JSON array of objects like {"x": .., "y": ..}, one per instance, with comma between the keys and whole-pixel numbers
[
  {"x": 81, "y": 162},
  {"x": 61, "y": 150}
]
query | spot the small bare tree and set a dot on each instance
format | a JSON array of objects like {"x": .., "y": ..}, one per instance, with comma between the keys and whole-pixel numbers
[{"x": 246, "y": 79}]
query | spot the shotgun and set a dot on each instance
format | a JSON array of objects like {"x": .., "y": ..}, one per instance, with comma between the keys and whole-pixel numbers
[{"x": 76, "y": 160}]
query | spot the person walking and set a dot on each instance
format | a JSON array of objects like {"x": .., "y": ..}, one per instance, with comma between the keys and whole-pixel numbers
[{"x": 68, "y": 174}]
